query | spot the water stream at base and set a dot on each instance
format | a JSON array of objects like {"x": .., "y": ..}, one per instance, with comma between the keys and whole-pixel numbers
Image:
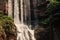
[{"x": 24, "y": 33}]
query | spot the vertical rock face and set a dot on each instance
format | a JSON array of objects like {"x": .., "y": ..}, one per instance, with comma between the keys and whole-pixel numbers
[
  {"x": 3, "y": 6},
  {"x": 6, "y": 8}
]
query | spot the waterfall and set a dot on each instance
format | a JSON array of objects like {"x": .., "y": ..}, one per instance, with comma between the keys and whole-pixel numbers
[
  {"x": 21, "y": 10},
  {"x": 16, "y": 12},
  {"x": 10, "y": 8},
  {"x": 23, "y": 32}
]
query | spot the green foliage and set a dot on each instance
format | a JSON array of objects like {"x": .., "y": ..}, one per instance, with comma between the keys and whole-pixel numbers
[
  {"x": 53, "y": 7},
  {"x": 53, "y": 10},
  {"x": 7, "y": 26},
  {"x": 5, "y": 22},
  {"x": 53, "y": 1}
]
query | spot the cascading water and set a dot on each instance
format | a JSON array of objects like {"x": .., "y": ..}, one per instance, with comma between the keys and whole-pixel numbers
[
  {"x": 10, "y": 8},
  {"x": 23, "y": 32}
]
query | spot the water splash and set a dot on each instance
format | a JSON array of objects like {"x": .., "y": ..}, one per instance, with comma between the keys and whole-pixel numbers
[{"x": 24, "y": 33}]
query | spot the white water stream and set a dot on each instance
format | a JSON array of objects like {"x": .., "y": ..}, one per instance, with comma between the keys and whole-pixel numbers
[{"x": 23, "y": 32}]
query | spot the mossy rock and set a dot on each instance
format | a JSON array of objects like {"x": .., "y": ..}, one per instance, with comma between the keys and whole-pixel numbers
[{"x": 7, "y": 27}]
